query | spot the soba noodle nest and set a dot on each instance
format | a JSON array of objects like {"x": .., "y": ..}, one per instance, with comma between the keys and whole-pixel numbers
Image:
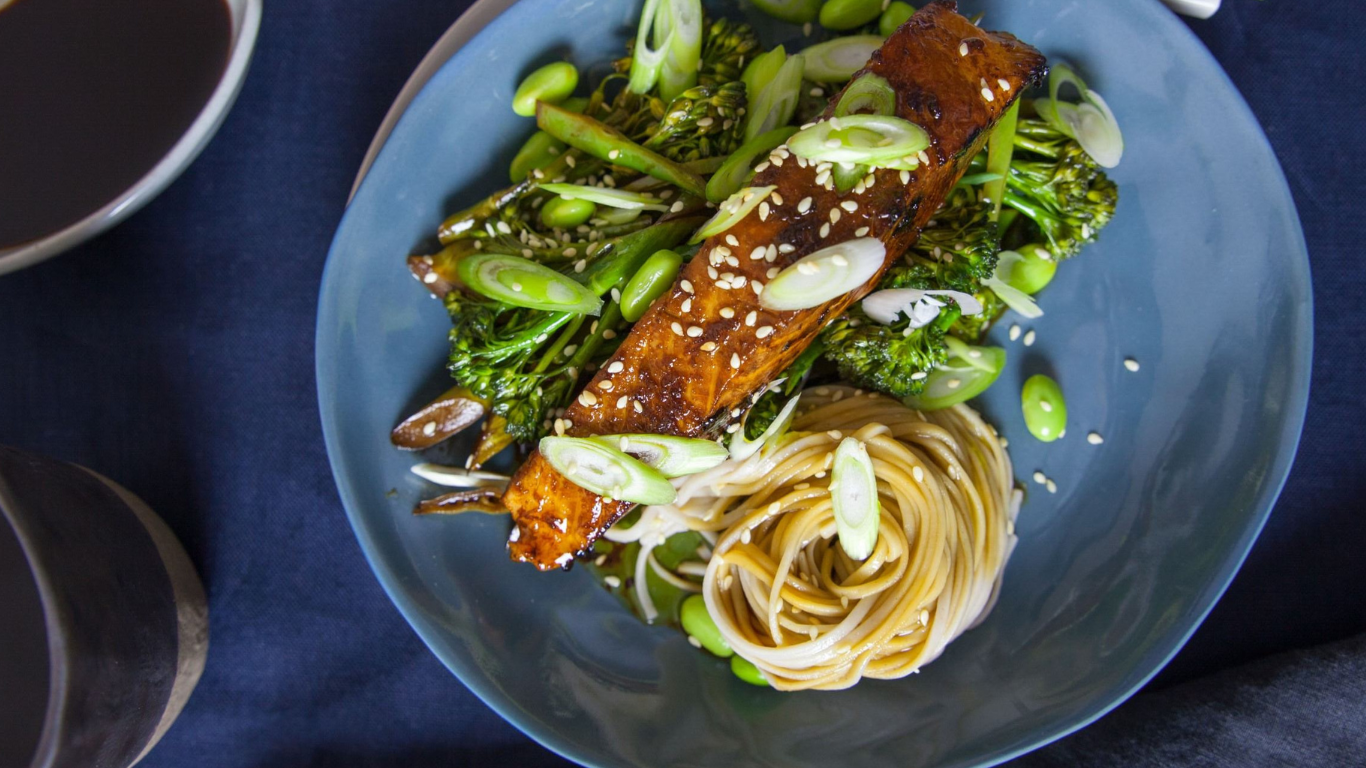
[{"x": 784, "y": 594}]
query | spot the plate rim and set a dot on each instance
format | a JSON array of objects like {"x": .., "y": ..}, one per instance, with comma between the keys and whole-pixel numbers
[{"x": 465, "y": 28}]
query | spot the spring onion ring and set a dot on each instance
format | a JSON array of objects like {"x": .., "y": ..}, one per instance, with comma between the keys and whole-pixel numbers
[
  {"x": 671, "y": 456},
  {"x": 874, "y": 140},
  {"x": 524, "y": 283},
  {"x": 853, "y": 494},
  {"x": 824, "y": 275},
  {"x": 614, "y": 198},
  {"x": 835, "y": 61},
  {"x": 731, "y": 212},
  {"x": 606, "y": 471}
]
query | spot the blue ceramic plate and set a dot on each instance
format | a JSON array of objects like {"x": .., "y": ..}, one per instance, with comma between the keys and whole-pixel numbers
[{"x": 1202, "y": 277}]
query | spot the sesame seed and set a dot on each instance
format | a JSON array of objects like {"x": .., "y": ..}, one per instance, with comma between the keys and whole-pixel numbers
[
  {"x": 731, "y": 240},
  {"x": 861, "y": 232},
  {"x": 686, "y": 306},
  {"x": 746, "y": 536},
  {"x": 676, "y": 328},
  {"x": 615, "y": 367},
  {"x": 918, "y": 375},
  {"x": 963, "y": 49},
  {"x": 763, "y": 211},
  {"x": 614, "y": 582},
  {"x": 613, "y": 154},
  {"x": 723, "y": 285},
  {"x": 705, "y": 122},
  {"x": 834, "y": 215},
  {"x": 738, "y": 281},
  {"x": 609, "y": 334},
  {"x": 1040, "y": 477},
  {"x": 822, "y": 178},
  {"x": 987, "y": 94},
  {"x": 804, "y": 205},
  {"x": 694, "y": 331},
  {"x": 776, "y": 198},
  {"x": 601, "y": 559},
  {"x": 621, "y": 403},
  {"x": 764, "y": 332},
  {"x": 731, "y": 261},
  {"x": 429, "y": 428},
  {"x": 761, "y": 167},
  {"x": 504, "y": 228},
  {"x": 1029, "y": 339},
  {"x": 849, "y": 205},
  {"x": 587, "y": 398},
  {"x": 712, "y": 273},
  {"x": 429, "y": 278},
  {"x": 1094, "y": 438},
  {"x": 734, "y": 360},
  {"x": 709, "y": 346},
  {"x": 751, "y": 317},
  {"x": 1004, "y": 83},
  {"x": 727, "y": 312},
  {"x": 905, "y": 177},
  {"x": 776, "y": 159},
  {"x": 758, "y": 253},
  {"x": 694, "y": 642},
  {"x": 686, "y": 286},
  {"x": 605, "y": 385},
  {"x": 1014, "y": 332},
  {"x": 559, "y": 426},
  {"x": 825, "y": 230},
  {"x": 787, "y": 247},
  {"x": 676, "y": 207},
  {"x": 1131, "y": 364},
  {"x": 616, "y": 295},
  {"x": 1051, "y": 486},
  {"x": 757, "y": 287},
  {"x": 636, "y": 404},
  {"x": 772, "y": 272}
]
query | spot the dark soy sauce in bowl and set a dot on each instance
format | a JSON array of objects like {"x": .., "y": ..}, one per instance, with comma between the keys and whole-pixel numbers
[{"x": 93, "y": 93}]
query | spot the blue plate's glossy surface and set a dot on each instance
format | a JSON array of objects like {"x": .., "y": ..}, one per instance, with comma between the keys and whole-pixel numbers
[{"x": 1203, "y": 278}]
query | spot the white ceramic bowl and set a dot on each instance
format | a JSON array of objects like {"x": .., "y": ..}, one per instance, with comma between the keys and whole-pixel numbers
[{"x": 246, "y": 22}]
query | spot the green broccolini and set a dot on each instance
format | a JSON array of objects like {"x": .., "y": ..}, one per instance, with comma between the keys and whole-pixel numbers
[
  {"x": 1059, "y": 189},
  {"x": 957, "y": 250},
  {"x": 887, "y": 358},
  {"x": 727, "y": 46}
]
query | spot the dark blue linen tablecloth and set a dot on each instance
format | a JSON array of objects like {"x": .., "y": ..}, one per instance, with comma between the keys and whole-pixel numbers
[{"x": 175, "y": 354}]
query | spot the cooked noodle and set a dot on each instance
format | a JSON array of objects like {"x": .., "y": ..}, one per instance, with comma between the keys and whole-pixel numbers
[{"x": 947, "y": 526}]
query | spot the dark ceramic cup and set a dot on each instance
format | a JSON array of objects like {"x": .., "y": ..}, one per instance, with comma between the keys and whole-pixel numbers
[{"x": 105, "y": 628}]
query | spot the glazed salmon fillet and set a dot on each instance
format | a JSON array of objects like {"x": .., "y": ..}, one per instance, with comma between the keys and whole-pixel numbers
[{"x": 708, "y": 345}]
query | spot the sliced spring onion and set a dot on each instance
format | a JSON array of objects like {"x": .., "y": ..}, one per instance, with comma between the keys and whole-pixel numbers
[
  {"x": 999, "y": 152},
  {"x": 761, "y": 70},
  {"x": 870, "y": 94},
  {"x": 1013, "y": 297},
  {"x": 671, "y": 456},
  {"x": 731, "y": 212},
  {"x": 777, "y": 102},
  {"x": 456, "y": 477},
  {"x": 963, "y": 377},
  {"x": 847, "y": 176},
  {"x": 646, "y": 61},
  {"x": 1091, "y": 123},
  {"x": 875, "y": 140},
  {"x": 791, "y": 11},
  {"x": 739, "y": 167},
  {"x": 682, "y": 28},
  {"x": 524, "y": 283},
  {"x": 741, "y": 449},
  {"x": 614, "y": 198},
  {"x": 886, "y": 306},
  {"x": 1045, "y": 410},
  {"x": 606, "y": 471},
  {"x": 699, "y": 624},
  {"x": 618, "y": 216},
  {"x": 835, "y": 61},
  {"x": 974, "y": 179},
  {"x": 853, "y": 494},
  {"x": 608, "y": 144},
  {"x": 649, "y": 282},
  {"x": 1027, "y": 270},
  {"x": 824, "y": 275}
]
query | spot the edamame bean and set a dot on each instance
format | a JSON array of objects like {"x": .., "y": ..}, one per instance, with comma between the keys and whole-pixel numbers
[
  {"x": 697, "y": 623},
  {"x": 540, "y": 150},
  {"x": 552, "y": 83},
  {"x": 575, "y": 104},
  {"x": 1045, "y": 411},
  {"x": 1029, "y": 269},
  {"x": 566, "y": 214},
  {"x": 896, "y": 14},
  {"x": 844, "y": 15},
  {"x": 794, "y": 11},
  {"x": 650, "y": 282},
  {"x": 745, "y": 670}
]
